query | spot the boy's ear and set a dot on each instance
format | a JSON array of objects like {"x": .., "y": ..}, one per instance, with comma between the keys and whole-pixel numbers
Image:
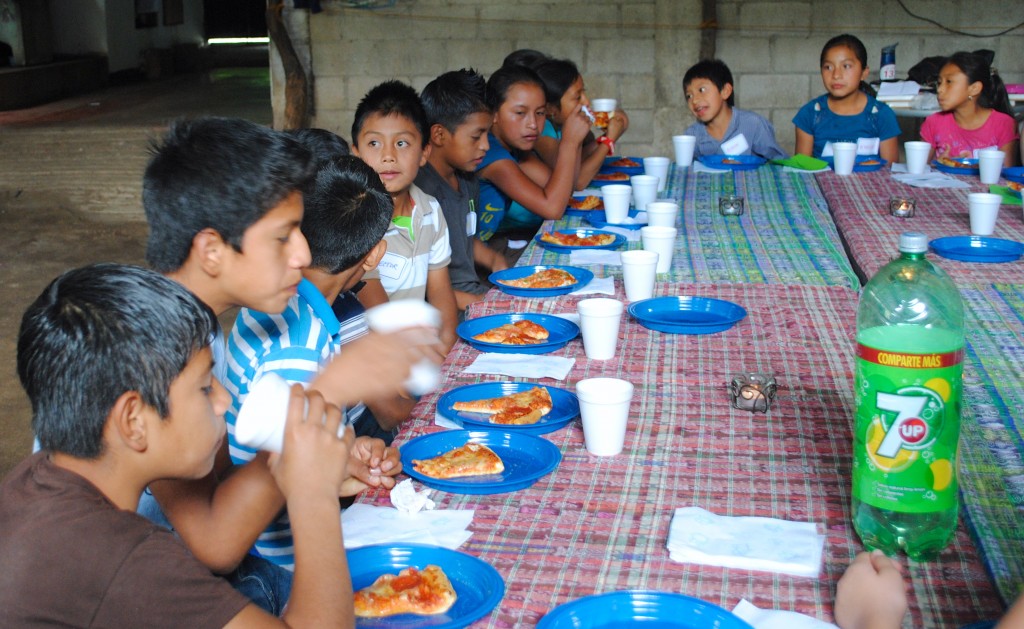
[
  {"x": 372, "y": 259},
  {"x": 426, "y": 154},
  {"x": 726, "y": 91},
  {"x": 438, "y": 135},
  {"x": 127, "y": 421},
  {"x": 208, "y": 249}
]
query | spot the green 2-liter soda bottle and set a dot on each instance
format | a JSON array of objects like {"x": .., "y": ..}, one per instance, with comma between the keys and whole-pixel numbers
[{"x": 907, "y": 386}]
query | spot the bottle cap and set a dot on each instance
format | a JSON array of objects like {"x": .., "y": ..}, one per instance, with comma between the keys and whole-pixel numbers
[{"x": 913, "y": 242}]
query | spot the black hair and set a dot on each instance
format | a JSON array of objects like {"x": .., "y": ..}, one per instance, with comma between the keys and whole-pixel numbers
[
  {"x": 557, "y": 75},
  {"x": 713, "y": 70},
  {"x": 96, "y": 333},
  {"x": 978, "y": 68},
  {"x": 219, "y": 173},
  {"x": 454, "y": 96},
  {"x": 525, "y": 57},
  {"x": 325, "y": 145},
  {"x": 347, "y": 212},
  {"x": 504, "y": 78},
  {"x": 387, "y": 99},
  {"x": 857, "y": 46}
]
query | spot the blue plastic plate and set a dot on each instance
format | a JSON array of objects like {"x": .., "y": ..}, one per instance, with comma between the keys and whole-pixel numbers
[
  {"x": 600, "y": 183},
  {"x": 564, "y": 407},
  {"x": 862, "y": 163},
  {"x": 1015, "y": 174},
  {"x": 597, "y": 218},
  {"x": 687, "y": 315},
  {"x": 560, "y": 332},
  {"x": 477, "y": 584},
  {"x": 646, "y": 608},
  {"x": 615, "y": 244},
  {"x": 582, "y": 276},
  {"x": 977, "y": 249},
  {"x": 733, "y": 162},
  {"x": 577, "y": 196},
  {"x": 607, "y": 167},
  {"x": 970, "y": 167},
  {"x": 527, "y": 459}
]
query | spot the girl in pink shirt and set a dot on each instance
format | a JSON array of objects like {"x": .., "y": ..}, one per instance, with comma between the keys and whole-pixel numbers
[{"x": 975, "y": 111}]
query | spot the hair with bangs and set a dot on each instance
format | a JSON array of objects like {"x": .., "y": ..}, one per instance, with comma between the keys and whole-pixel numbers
[{"x": 391, "y": 98}]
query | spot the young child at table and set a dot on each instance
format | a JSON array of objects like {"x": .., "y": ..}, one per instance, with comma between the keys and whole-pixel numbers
[
  {"x": 224, "y": 204},
  {"x": 721, "y": 127},
  {"x": 975, "y": 112},
  {"x": 390, "y": 133},
  {"x": 512, "y": 172},
  {"x": 565, "y": 91},
  {"x": 848, "y": 112},
  {"x": 456, "y": 108},
  {"x": 116, "y": 362}
]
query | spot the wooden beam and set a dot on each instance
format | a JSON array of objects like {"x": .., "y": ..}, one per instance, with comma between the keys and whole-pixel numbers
[
  {"x": 708, "y": 28},
  {"x": 296, "y": 85}
]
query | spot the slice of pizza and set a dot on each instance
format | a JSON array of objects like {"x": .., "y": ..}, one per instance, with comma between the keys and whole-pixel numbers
[
  {"x": 546, "y": 278},
  {"x": 531, "y": 329},
  {"x": 1013, "y": 185},
  {"x": 411, "y": 591},
  {"x": 522, "y": 407},
  {"x": 588, "y": 202},
  {"x": 576, "y": 240},
  {"x": 624, "y": 162},
  {"x": 522, "y": 332},
  {"x": 612, "y": 177},
  {"x": 471, "y": 459}
]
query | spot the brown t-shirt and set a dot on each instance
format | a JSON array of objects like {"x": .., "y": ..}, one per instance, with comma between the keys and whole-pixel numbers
[{"x": 69, "y": 557}]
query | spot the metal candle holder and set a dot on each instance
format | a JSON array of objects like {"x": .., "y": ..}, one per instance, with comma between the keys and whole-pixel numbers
[
  {"x": 902, "y": 207},
  {"x": 753, "y": 392},
  {"x": 730, "y": 205}
]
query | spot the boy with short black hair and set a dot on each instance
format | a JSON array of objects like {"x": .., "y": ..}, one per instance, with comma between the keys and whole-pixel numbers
[
  {"x": 117, "y": 365},
  {"x": 326, "y": 146},
  {"x": 390, "y": 133},
  {"x": 459, "y": 121},
  {"x": 721, "y": 127}
]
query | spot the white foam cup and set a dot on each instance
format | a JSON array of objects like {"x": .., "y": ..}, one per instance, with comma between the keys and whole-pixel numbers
[
  {"x": 917, "y": 156},
  {"x": 645, "y": 190},
  {"x": 616, "y": 198},
  {"x": 990, "y": 165},
  {"x": 425, "y": 376},
  {"x": 603, "y": 104},
  {"x": 638, "y": 273},
  {"x": 658, "y": 166},
  {"x": 604, "y": 409},
  {"x": 663, "y": 241},
  {"x": 662, "y": 213},
  {"x": 260, "y": 421},
  {"x": 684, "y": 145},
  {"x": 984, "y": 209},
  {"x": 599, "y": 324},
  {"x": 844, "y": 155}
]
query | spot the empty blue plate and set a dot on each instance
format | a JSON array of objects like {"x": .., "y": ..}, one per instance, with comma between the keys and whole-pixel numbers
[
  {"x": 1014, "y": 173},
  {"x": 967, "y": 167},
  {"x": 477, "y": 584},
  {"x": 560, "y": 332},
  {"x": 582, "y": 233},
  {"x": 977, "y": 249},
  {"x": 733, "y": 162},
  {"x": 598, "y": 218},
  {"x": 600, "y": 183},
  {"x": 527, "y": 459},
  {"x": 646, "y": 608},
  {"x": 687, "y": 315},
  {"x": 564, "y": 407},
  {"x": 862, "y": 163},
  {"x": 582, "y": 276}
]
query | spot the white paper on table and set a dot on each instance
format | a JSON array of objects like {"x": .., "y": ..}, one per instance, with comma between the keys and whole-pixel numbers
[
  {"x": 931, "y": 179},
  {"x": 568, "y": 316},
  {"x": 367, "y": 524},
  {"x": 699, "y": 167},
  {"x": 594, "y": 256},
  {"x": 893, "y": 90},
  {"x": 737, "y": 145},
  {"x": 406, "y": 499},
  {"x": 777, "y": 618},
  {"x": 598, "y": 285},
  {"x": 587, "y": 192},
  {"x": 522, "y": 365},
  {"x": 803, "y": 171},
  {"x": 753, "y": 543}
]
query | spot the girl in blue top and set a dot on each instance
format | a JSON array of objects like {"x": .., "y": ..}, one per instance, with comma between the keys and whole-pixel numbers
[{"x": 848, "y": 112}]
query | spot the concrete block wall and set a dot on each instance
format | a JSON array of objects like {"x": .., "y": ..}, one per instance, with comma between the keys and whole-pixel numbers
[{"x": 633, "y": 50}]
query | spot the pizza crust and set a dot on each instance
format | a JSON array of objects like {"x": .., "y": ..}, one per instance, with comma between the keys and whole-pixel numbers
[{"x": 412, "y": 591}]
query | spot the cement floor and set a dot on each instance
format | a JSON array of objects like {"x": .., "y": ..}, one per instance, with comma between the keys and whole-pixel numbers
[{"x": 70, "y": 194}]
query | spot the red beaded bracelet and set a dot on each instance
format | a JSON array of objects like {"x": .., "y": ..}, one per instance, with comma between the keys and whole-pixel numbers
[{"x": 607, "y": 142}]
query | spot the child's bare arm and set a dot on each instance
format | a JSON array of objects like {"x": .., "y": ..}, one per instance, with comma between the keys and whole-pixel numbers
[
  {"x": 441, "y": 296},
  {"x": 487, "y": 257},
  {"x": 804, "y": 143},
  {"x": 889, "y": 150},
  {"x": 372, "y": 294}
]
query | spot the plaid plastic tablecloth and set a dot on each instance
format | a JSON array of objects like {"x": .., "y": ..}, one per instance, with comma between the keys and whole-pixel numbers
[
  {"x": 785, "y": 235},
  {"x": 601, "y": 524},
  {"x": 860, "y": 208}
]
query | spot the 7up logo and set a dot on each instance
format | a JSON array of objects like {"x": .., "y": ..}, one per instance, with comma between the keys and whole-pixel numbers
[{"x": 914, "y": 427}]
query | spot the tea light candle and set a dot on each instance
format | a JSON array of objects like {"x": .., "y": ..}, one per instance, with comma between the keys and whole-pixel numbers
[
  {"x": 901, "y": 207},
  {"x": 753, "y": 392},
  {"x": 730, "y": 205}
]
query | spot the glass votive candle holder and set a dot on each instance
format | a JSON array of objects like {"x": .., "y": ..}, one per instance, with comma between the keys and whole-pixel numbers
[
  {"x": 730, "y": 205},
  {"x": 902, "y": 207},
  {"x": 753, "y": 392}
]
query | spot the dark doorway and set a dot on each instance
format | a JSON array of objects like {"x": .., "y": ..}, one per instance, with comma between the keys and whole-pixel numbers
[{"x": 235, "y": 18}]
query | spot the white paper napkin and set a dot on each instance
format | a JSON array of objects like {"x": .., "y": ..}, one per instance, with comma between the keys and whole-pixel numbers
[
  {"x": 594, "y": 256},
  {"x": 365, "y": 524},
  {"x": 777, "y": 618},
  {"x": 699, "y": 167},
  {"x": 407, "y": 500},
  {"x": 753, "y": 543},
  {"x": 599, "y": 285},
  {"x": 522, "y": 365},
  {"x": 930, "y": 179},
  {"x": 802, "y": 171}
]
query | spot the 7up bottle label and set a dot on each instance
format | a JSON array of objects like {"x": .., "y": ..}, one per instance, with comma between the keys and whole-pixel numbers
[{"x": 907, "y": 424}]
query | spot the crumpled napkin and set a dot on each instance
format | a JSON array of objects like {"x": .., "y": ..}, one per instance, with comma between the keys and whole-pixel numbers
[
  {"x": 777, "y": 618},
  {"x": 595, "y": 256},
  {"x": 406, "y": 499},
  {"x": 366, "y": 524},
  {"x": 753, "y": 543},
  {"x": 930, "y": 179},
  {"x": 599, "y": 285},
  {"x": 803, "y": 163},
  {"x": 522, "y": 365},
  {"x": 1009, "y": 197}
]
